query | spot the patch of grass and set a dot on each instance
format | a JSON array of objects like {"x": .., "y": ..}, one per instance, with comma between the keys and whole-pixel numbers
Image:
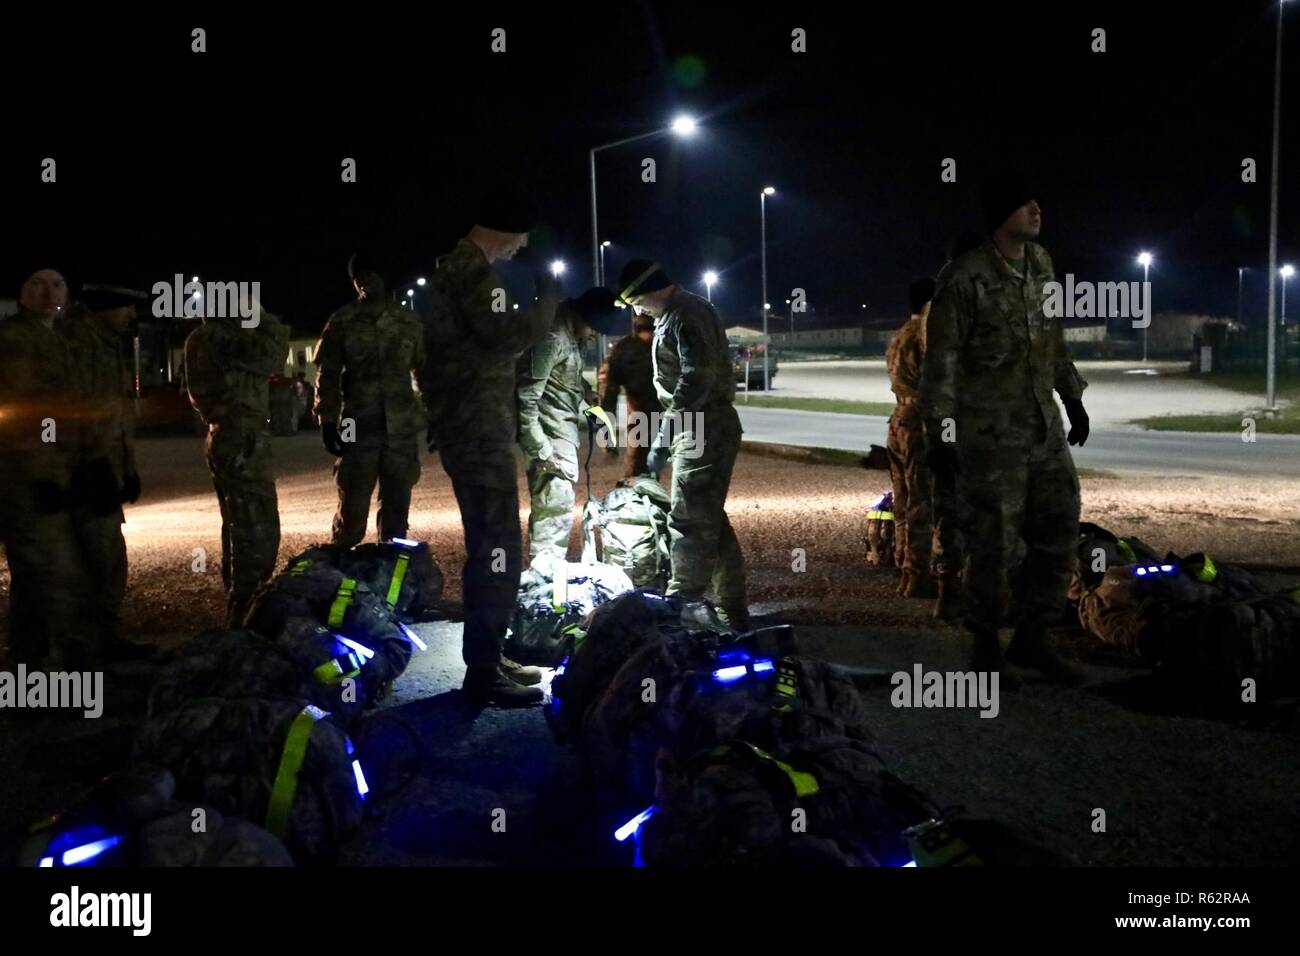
[
  {"x": 1287, "y": 422},
  {"x": 841, "y": 406},
  {"x": 1095, "y": 473}
]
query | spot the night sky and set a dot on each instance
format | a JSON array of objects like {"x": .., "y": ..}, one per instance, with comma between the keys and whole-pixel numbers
[{"x": 226, "y": 164}]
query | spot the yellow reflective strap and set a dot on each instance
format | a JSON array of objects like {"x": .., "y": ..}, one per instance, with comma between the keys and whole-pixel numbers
[
  {"x": 286, "y": 777},
  {"x": 342, "y": 599},
  {"x": 805, "y": 784},
  {"x": 1126, "y": 550},
  {"x": 399, "y": 575},
  {"x": 560, "y": 586},
  {"x": 603, "y": 417},
  {"x": 300, "y": 566},
  {"x": 333, "y": 671},
  {"x": 880, "y": 515},
  {"x": 1207, "y": 572}
]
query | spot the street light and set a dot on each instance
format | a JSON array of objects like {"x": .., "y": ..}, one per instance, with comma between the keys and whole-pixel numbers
[
  {"x": 710, "y": 278},
  {"x": 762, "y": 216},
  {"x": 1271, "y": 387},
  {"x": 1240, "y": 272},
  {"x": 600, "y": 273},
  {"x": 421, "y": 281},
  {"x": 791, "y": 311},
  {"x": 557, "y": 268},
  {"x": 683, "y": 125},
  {"x": 1286, "y": 272},
  {"x": 1144, "y": 260}
]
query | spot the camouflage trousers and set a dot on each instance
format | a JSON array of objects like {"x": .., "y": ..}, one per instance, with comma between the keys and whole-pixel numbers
[
  {"x": 395, "y": 467},
  {"x": 1018, "y": 494},
  {"x": 240, "y": 461},
  {"x": 47, "y": 619},
  {"x": 911, "y": 480},
  {"x": 704, "y": 547},
  {"x": 493, "y": 561},
  {"x": 103, "y": 556},
  {"x": 552, "y": 498}
]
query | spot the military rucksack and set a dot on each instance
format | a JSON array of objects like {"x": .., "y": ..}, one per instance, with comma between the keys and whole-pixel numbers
[
  {"x": 549, "y": 615},
  {"x": 878, "y": 532},
  {"x": 629, "y": 529},
  {"x": 402, "y": 571}
]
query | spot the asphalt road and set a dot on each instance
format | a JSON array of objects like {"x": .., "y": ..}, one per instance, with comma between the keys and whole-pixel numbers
[{"x": 1122, "y": 450}]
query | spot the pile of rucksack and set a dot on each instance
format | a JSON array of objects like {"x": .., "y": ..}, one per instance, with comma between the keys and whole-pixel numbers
[
  {"x": 255, "y": 723},
  {"x": 555, "y": 599},
  {"x": 746, "y": 751},
  {"x": 1207, "y": 624},
  {"x": 629, "y": 530},
  {"x": 878, "y": 532}
]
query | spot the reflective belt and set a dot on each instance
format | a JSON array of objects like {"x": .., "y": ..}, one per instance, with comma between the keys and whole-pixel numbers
[
  {"x": 342, "y": 600},
  {"x": 1205, "y": 570},
  {"x": 399, "y": 575},
  {"x": 881, "y": 515},
  {"x": 560, "y": 586},
  {"x": 300, "y": 566},
  {"x": 1126, "y": 550},
  {"x": 286, "y": 777},
  {"x": 338, "y": 669}
]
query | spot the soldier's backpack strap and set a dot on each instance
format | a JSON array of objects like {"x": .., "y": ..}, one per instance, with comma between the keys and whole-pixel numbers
[
  {"x": 300, "y": 566},
  {"x": 877, "y": 514},
  {"x": 778, "y": 774},
  {"x": 338, "y": 669},
  {"x": 399, "y": 575},
  {"x": 342, "y": 601},
  {"x": 286, "y": 775}
]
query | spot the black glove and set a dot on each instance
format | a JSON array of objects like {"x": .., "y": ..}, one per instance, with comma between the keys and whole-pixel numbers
[
  {"x": 131, "y": 489},
  {"x": 1079, "y": 427},
  {"x": 329, "y": 435},
  {"x": 51, "y": 497},
  {"x": 95, "y": 486},
  {"x": 941, "y": 458},
  {"x": 431, "y": 438}
]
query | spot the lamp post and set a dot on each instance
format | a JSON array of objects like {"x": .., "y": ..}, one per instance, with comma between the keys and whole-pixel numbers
[
  {"x": 600, "y": 272},
  {"x": 710, "y": 279},
  {"x": 762, "y": 216},
  {"x": 1271, "y": 387},
  {"x": 1285, "y": 272},
  {"x": 1144, "y": 260}
]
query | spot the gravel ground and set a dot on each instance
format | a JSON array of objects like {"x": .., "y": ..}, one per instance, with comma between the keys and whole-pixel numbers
[{"x": 1178, "y": 788}]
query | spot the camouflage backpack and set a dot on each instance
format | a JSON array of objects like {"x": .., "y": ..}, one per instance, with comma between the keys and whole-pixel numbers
[
  {"x": 629, "y": 530},
  {"x": 549, "y": 615},
  {"x": 878, "y": 532},
  {"x": 402, "y": 571}
]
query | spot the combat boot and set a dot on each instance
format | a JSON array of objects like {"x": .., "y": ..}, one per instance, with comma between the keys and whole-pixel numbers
[
  {"x": 1031, "y": 649},
  {"x": 701, "y": 616},
  {"x": 904, "y": 577},
  {"x": 987, "y": 656},
  {"x": 527, "y": 676},
  {"x": 491, "y": 686},
  {"x": 736, "y": 617},
  {"x": 919, "y": 585},
  {"x": 947, "y": 605}
]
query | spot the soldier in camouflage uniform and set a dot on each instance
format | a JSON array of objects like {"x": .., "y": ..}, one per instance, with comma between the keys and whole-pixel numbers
[
  {"x": 700, "y": 431},
  {"x": 631, "y": 367},
  {"x": 473, "y": 338},
  {"x": 105, "y": 474},
  {"x": 906, "y": 447},
  {"x": 39, "y": 431},
  {"x": 552, "y": 395},
  {"x": 993, "y": 357},
  {"x": 227, "y": 371},
  {"x": 371, "y": 417}
]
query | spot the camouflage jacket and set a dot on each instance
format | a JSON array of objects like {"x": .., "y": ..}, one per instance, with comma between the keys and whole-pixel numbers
[
  {"x": 105, "y": 386},
  {"x": 550, "y": 387},
  {"x": 37, "y": 401},
  {"x": 227, "y": 368},
  {"x": 692, "y": 361},
  {"x": 472, "y": 338},
  {"x": 364, "y": 362},
  {"x": 903, "y": 358},
  {"x": 631, "y": 366},
  {"x": 992, "y": 356}
]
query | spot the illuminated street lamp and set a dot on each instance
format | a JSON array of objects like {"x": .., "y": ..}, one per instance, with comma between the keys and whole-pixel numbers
[
  {"x": 600, "y": 273},
  {"x": 557, "y": 268},
  {"x": 710, "y": 279},
  {"x": 1285, "y": 272},
  {"x": 762, "y": 214},
  {"x": 1144, "y": 260}
]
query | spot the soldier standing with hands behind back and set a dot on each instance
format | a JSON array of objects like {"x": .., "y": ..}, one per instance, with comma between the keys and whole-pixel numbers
[{"x": 993, "y": 357}]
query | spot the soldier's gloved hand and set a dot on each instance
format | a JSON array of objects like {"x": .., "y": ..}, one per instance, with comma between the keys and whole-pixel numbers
[
  {"x": 131, "y": 488},
  {"x": 431, "y": 438},
  {"x": 1079, "y": 426},
  {"x": 657, "y": 459},
  {"x": 941, "y": 458},
  {"x": 51, "y": 497},
  {"x": 334, "y": 444},
  {"x": 95, "y": 487}
]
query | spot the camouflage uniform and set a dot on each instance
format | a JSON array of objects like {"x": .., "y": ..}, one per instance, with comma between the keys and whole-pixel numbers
[
  {"x": 364, "y": 362},
  {"x": 631, "y": 366},
  {"x": 694, "y": 380},
  {"x": 992, "y": 360},
  {"x": 106, "y": 394},
  {"x": 946, "y": 512},
  {"x": 227, "y": 368},
  {"x": 468, "y": 384},
  {"x": 906, "y": 446},
  {"x": 551, "y": 392},
  {"x": 46, "y": 600}
]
